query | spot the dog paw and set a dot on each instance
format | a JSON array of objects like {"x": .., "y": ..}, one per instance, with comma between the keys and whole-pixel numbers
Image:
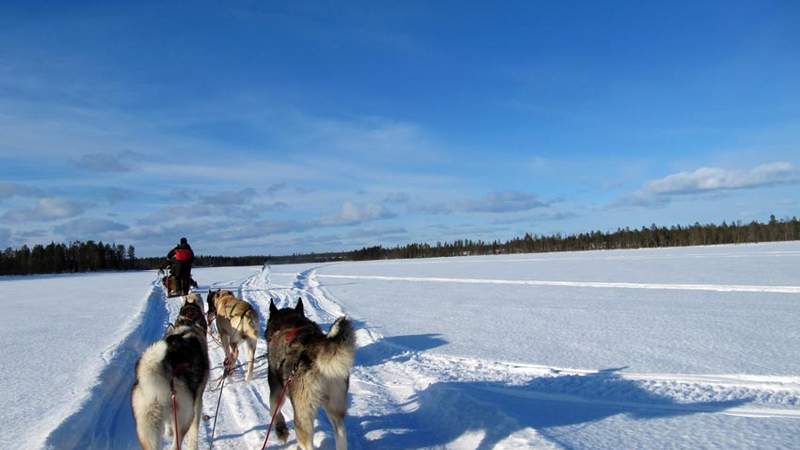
[{"x": 282, "y": 431}]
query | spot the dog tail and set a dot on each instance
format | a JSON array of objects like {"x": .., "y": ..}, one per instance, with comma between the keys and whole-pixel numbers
[{"x": 336, "y": 358}]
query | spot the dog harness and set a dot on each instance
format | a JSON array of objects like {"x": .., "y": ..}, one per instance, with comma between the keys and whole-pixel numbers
[{"x": 288, "y": 336}]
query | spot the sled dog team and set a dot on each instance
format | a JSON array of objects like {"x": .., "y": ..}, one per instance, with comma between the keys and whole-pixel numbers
[{"x": 313, "y": 367}]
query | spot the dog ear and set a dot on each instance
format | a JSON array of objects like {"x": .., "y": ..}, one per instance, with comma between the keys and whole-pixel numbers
[
  {"x": 272, "y": 308},
  {"x": 299, "y": 307}
]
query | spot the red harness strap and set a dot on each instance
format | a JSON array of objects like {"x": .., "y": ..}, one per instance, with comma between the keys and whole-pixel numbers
[
  {"x": 174, "y": 412},
  {"x": 278, "y": 404},
  {"x": 177, "y": 370},
  {"x": 287, "y": 338},
  {"x": 290, "y": 334}
]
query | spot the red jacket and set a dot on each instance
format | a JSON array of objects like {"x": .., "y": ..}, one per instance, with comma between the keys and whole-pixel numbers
[{"x": 181, "y": 254}]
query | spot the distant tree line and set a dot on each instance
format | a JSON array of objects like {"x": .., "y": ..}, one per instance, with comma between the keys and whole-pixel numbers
[
  {"x": 91, "y": 256},
  {"x": 203, "y": 261},
  {"x": 74, "y": 257},
  {"x": 622, "y": 238},
  {"x": 252, "y": 260}
]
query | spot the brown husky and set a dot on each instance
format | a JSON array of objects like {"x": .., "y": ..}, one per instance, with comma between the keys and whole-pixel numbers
[
  {"x": 237, "y": 321},
  {"x": 313, "y": 366}
]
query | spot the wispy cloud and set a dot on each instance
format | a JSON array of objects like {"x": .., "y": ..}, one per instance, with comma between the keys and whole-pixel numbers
[
  {"x": 229, "y": 198},
  {"x": 397, "y": 198},
  {"x": 539, "y": 217},
  {"x": 124, "y": 161},
  {"x": 493, "y": 202},
  {"x": 5, "y": 238},
  {"x": 9, "y": 190},
  {"x": 354, "y": 213},
  {"x": 89, "y": 228},
  {"x": 502, "y": 202},
  {"x": 274, "y": 188},
  {"x": 373, "y": 233},
  {"x": 46, "y": 209}
]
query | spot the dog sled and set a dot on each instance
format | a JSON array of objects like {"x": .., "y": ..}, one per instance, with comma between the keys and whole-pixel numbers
[
  {"x": 170, "y": 283},
  {"x": 173, "y": 287}
]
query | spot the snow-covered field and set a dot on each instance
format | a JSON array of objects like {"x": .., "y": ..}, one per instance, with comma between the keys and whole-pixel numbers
[{"x": 666, "y": 348}]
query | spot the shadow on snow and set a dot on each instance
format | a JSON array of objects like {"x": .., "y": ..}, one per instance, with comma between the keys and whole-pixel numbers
[
  {"x": 396, "y": 348},
  {"x": 447, "y": 410}
]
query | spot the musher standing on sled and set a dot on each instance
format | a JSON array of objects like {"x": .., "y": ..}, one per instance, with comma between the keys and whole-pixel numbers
[{"x": 181, "y": 258}]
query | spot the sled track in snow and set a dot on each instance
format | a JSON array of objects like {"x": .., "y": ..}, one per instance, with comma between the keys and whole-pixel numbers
[
  {"x": 585, "y": 284},
  {"x": 767, "y": 395},
  {"x": 244, "y": 413},
  {"x": 396, "y": 388}
]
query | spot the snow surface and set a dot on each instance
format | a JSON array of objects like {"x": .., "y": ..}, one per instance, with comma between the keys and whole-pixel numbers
[{"x": 666, "y": 348}]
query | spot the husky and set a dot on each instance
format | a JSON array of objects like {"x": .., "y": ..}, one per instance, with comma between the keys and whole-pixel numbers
[
  {"x": 313, "y": 366},
  {"x": 178, "y": 363},
  {"x": 192, "y": 312},
  {"x": 237, "y": 321}
]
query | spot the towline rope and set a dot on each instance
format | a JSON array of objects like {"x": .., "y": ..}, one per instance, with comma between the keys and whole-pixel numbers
[
  {"x": 175, "y": 416},
  {"x": 278, "y": 404}
]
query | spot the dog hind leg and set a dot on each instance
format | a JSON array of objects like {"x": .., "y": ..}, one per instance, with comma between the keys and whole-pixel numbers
[
  {"x": 275, "y": 388},
  {"x": 303, "y": 424},
  {"x": 251, "y": 357},
  {"x": 149, "y": 425},
  {"x": 225, "y": 342},
  {"x": 335, "y": 407},
  {"x": 194, "y": 428}
]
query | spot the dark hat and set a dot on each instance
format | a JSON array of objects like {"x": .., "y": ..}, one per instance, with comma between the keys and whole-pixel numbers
[{"x": 183, "y": 241}]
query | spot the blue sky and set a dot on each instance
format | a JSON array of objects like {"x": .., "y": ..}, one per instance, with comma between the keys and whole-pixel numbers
[{"x": 271, "y": 128}]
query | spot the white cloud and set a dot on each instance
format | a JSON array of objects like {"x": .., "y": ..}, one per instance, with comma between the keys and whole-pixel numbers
[
  {"x": 46, "y": 209},
  {"x": 707, "y": 180},
  {"x": 354, "y": 213}
]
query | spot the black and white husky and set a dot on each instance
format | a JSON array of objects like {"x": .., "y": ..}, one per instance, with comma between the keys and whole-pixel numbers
[
  {"x": 313, "y": 366},
  {"x": 178, "y": 363}
]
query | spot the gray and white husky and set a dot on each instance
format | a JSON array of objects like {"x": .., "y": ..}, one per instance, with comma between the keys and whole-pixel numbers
[
  {"x": 178, "y": 362},
  {"x": 318, "y": 365}
]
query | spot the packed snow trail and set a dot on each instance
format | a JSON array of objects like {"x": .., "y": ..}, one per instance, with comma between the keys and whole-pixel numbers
[{"x": 406, "y": 395}]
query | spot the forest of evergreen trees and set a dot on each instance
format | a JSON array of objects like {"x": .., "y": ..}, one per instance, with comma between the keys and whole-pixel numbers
[
  {"x": 74, "y": 257},
  {"x": 92, "y": 256},
  {"x": 653, "y": 236}
]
